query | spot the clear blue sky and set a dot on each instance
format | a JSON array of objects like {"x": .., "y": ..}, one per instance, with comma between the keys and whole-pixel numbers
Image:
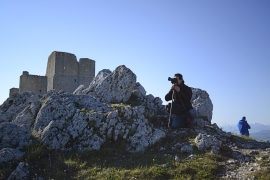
[{"x": 222, "y": 47}]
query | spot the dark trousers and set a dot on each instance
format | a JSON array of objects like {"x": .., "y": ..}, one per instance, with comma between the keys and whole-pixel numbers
[{"x": 184, "y": 120}]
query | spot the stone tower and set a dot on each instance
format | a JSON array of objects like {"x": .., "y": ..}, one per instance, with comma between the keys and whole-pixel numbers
[{"x": 65, "y": 72}]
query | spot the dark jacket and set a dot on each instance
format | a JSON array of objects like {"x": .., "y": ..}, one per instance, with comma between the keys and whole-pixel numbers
[
  {"x": 185, "y": 94},
  {"x": 243, "y": 127}
]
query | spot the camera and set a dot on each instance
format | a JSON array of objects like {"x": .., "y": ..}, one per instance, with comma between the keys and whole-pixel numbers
[{"x": 173, "y": 80}]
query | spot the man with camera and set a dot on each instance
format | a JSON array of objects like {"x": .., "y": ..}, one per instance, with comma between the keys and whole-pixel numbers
[{"x": 181, "y": 107}]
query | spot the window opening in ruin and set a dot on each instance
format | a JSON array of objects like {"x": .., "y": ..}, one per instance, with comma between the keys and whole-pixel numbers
[
  {"x": 74, "y": 80},
  {"x": 40, "y": 90}
]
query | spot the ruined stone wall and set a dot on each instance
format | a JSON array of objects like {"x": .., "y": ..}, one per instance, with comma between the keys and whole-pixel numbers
[
  {"x": 14, "y": 91},
  {"x": 33, "y": 83}
]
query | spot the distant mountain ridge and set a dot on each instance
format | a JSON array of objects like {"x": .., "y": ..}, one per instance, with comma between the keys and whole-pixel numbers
[
  {"x": 261, "y": 135},
  {"x": 257, "y": 131},
  {"x": 257, "y": 127}
]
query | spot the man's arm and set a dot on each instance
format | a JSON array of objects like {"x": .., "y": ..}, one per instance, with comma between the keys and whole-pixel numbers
[
  {"x": 168, "y": 96},
  {"x": 185, "y": 93},
  {"x": 248, "y": 126}
]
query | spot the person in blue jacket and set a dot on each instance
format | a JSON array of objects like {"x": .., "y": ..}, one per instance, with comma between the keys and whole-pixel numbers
[{"x": 243, "y": 127}]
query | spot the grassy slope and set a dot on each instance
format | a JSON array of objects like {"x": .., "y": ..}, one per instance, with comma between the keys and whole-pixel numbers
[{"x": 113, "y": 162}]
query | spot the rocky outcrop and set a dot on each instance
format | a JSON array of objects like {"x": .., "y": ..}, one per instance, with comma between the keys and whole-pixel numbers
[
  {"x": 204, "y": 142},
  {"x": 14, "y": 136},
  {"x": 202, "y": 104},
  {"x": 21, "y": 108},
  {"x": 91, "y": 116},
  {"x": 10, "y": 154},
  {"x": 95, "y": 82},
  {"x": 86, "y": 119},
  {"x": 114, "y": 107},
  {"x": 21, "y": 172},
  {"x": 112, "y": 87},
  {"x": 244, "y": 162},
  {"x": 65, "y": 117},
  {"x": 88, "y": 123}
]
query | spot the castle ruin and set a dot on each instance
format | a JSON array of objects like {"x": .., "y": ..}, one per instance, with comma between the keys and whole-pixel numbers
[{"x": 63, "y": 72}]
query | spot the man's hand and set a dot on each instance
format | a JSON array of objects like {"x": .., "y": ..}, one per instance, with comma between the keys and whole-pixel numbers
[{"x": 174, "y": 87}]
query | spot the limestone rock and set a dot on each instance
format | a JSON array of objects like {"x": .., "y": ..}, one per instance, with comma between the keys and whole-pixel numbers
[
  {"x": 20, "y": 108},
  {"x": 98, "y": 80},
  {"x": 65, "y": 117},
  {"x": 95, "y": 82},
  {"x": 20, "y": 173},
  {"x": 138, "y": 92},
  {"x": 10, "y": 154},
  {"x": 200, "y": 123},
  {"x": 115, "y": 87},
  {"x": 202, "y": 104},
  {"x": 154, "y": 107},
  {"x": 14, "y": 136},
  {"x": 187, "y": 148},
  {"x": 79, "y": 90},
  {"x": 204, "y": 142}
]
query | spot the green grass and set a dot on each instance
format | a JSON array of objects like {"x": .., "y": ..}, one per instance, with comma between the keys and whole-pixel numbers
[
  {"x": 44, "y": 101},
  {"x": 262, "y": 174},
  {"x": 119, "y": 105},
  {"x": 6, "y": 169},
  {"x": 237, "y": 137},
  {"x": 109, "y": 164},
  {"x": 87, "y": 111},
  {"x": 132, "y": 102},
  {"x": 114, "y": 162}
]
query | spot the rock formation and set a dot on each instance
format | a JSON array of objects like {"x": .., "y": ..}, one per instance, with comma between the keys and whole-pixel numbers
[{"x": 113, "y": 107}]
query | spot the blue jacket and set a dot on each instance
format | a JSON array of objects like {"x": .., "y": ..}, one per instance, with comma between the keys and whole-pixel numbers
[{"x": 243, "y": 127}]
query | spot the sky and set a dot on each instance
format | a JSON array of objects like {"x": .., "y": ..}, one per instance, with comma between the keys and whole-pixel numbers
[{"x": 221, "y": 47}]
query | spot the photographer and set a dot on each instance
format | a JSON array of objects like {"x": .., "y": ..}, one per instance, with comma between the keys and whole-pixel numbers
[{"x": 181, "y": 95}]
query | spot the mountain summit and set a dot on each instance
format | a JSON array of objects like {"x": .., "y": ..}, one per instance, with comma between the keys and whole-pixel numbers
[{"x": 114, "y": 109}]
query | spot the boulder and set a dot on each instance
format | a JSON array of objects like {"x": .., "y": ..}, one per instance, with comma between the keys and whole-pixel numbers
[
  {"x": 138, "y": 92},
  {"x": 206, "y": 142},
  {"x": 14, "y": 136},
  {"x": 79, "y": 90},
  {"x": 115, "y": 87},
  {"x": 202, "y": 104},
  {"x": 20, "y": 173},
  {"x": 65, "y": 117},
  {"x": 10, "y": 155},
  {"x": 95, "y": 82},
  {"x": 20, "y": 108}
]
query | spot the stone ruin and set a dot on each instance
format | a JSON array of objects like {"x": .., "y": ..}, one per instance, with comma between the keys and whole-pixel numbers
[{"x": 63, "y": 72}]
